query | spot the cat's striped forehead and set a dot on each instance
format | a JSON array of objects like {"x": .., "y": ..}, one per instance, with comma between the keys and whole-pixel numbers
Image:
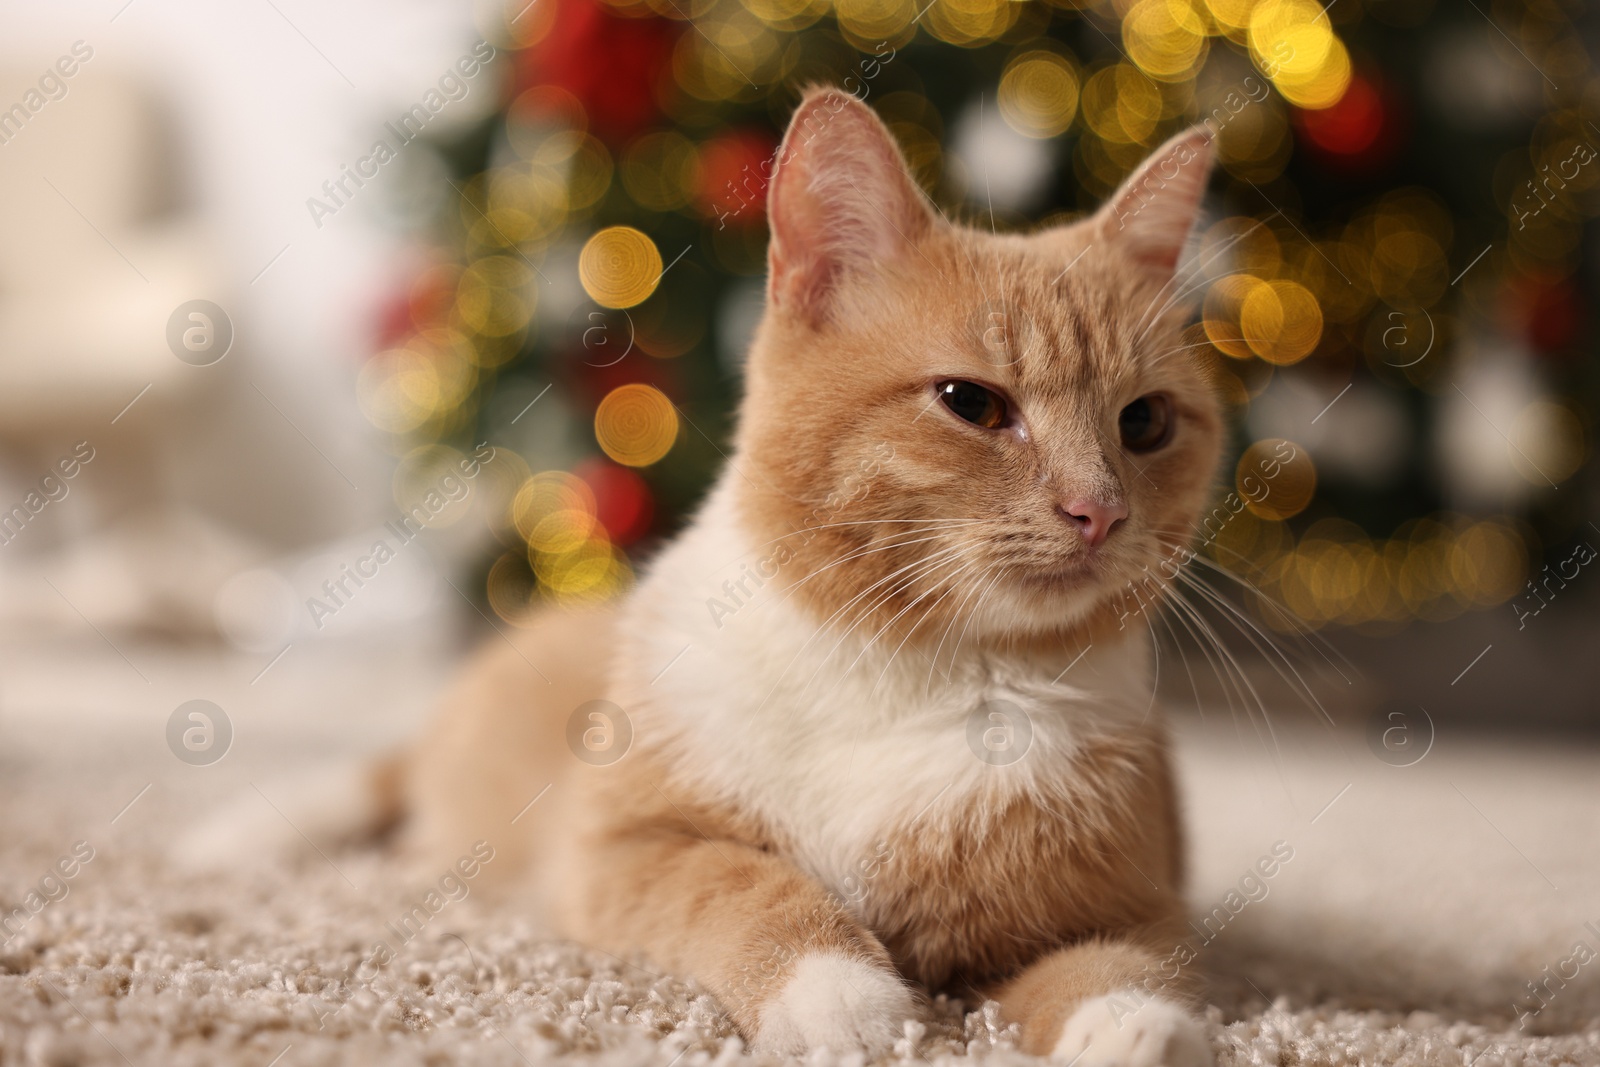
[{"x": 1084, "y": 328}]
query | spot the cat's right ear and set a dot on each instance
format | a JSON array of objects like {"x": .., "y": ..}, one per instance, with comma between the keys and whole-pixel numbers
[
  {"x": 842, "y": 204},
  {"x": 1151, "y": 214}
]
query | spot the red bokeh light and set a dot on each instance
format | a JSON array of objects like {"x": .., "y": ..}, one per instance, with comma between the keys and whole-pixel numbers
[
  {"x": 623, "y": 503},
  {"x": 735, "y": 171},
  {"x": 1360, "y": 132}
]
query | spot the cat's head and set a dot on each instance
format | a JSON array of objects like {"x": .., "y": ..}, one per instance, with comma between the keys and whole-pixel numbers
[{"x": 947, "y": 427}]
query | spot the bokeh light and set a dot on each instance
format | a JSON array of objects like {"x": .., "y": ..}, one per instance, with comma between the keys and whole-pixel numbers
[
  {"x": 636, "y": 425},
  {"x": 1304, "y": 274},
  {"x": 619, "y": 267},
  {"x": 1039, "y": 94},
  {"x": 1275, "y": 478}
]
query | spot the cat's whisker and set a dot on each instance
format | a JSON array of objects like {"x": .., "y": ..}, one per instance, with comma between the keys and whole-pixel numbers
[
  {"x": 1193, "y": 269},
  {"x": 1001, "y": 571},
  {"x": 949, "y": 582},
  {"x": 1183, "y": 657},
  {"x": 860, "y": 554},
  {"x": 1316, "y": 641},
  {"x": 962, "y": 566},
  {"x": 1304, "y": 634},
  {"x": 823, "y": 626},
  {"x": 915, "y": 568},
  {"x": 955, "y": 617},
  {"x": 1155, "y": 681},
  {"x": 1251, "y": 632},
  {"x": 1172, "y": 597},
  {"x": 920, "y": 569},
  {"x": 1231, "y": 676},
  {"x": 926, "y": 524}
]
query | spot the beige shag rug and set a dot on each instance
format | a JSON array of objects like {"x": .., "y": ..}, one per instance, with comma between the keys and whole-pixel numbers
[{"x": 1419, "y": 902}]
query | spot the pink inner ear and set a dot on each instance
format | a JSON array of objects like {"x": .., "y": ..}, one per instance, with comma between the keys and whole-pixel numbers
[
  {"x": 841, "y": 202},
  {"x": 1154, "y": 210}
]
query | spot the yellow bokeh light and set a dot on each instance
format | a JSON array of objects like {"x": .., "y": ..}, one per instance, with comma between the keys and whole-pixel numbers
[
  {"x": 1039, "y": 94},
  {"x": 398, "y": 390},
  {"x": 1121, "y": 104},
  {"x": 1224, "y": 312},
  {"x": 495, "y": 296},
  {"x": 1275, "y": 478},
  {"x": 1281, "y": 321},
  {"x": 636, "y": 424},
  {"x": 1489, "y": 563},
  {"x": 661, "y": 171},
  {"x": 619, "y": 267},
  {"x": 588, "y": 568},
  {"x": 970, "y": 23},
  {"x": 553, "y": 510},
  {"x": 1293, "y": 43},
  {"x": 1165, "y": 38},
  {"x": 1231, "y": 14},
  {"x": 513, "y": 593},
  {"x": 874, "y": 20}
]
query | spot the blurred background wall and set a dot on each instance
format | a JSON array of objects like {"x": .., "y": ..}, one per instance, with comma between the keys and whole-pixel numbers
[{"x": 493, "y": 268}]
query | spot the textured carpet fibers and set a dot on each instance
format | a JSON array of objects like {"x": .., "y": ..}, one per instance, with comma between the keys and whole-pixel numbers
[{"x": 1419, "y": 904}]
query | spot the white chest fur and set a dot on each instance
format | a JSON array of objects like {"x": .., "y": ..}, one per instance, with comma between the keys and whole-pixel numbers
[{"x": 839, "y": 742}]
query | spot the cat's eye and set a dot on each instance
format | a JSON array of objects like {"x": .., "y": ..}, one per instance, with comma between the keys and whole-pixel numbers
[
  {"x": 971, "y": 401},
  {"x": 1146, "y": 424}
]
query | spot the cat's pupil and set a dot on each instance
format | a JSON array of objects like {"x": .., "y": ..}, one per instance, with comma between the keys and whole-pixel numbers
[
  {"x": 974, "y": 403},
  {"x": 1145, "y": 423}
]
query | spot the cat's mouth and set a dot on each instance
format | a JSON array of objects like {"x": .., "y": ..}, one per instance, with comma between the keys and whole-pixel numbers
[{"x": 1068, "y": 574}]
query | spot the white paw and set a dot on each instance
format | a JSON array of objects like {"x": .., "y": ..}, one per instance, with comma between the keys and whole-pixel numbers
[
  {"x": 1129, "y": 1029},
  {"x": 835, "y": 1002}
]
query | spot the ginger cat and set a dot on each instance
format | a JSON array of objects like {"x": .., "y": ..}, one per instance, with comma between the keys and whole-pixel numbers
[{"x": 886, "y": 704}]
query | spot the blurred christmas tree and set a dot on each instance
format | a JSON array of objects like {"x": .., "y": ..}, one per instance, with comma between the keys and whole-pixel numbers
[{"x": 1393, "y": 280}]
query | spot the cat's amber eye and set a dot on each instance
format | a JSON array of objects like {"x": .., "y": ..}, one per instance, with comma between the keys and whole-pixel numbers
[
  {"x": 971, "y": 401},
  {"x": 1146, "y": 424}
]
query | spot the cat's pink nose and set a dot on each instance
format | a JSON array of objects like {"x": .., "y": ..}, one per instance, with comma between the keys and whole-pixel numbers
[{"x": 1095, "y": 519}]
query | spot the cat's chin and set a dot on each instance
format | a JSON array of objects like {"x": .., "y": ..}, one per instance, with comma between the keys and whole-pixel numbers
[{"x": 1046, "y": 600}]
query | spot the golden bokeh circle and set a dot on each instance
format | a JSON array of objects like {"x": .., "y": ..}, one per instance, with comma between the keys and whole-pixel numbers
[
  {"x": 1039, "y": 94},
  {"x": 1224, "y": 312},
  {"x": 1165, "y": 38},
  {"x": 553, "y": 510},
  {"x": 1294, "y": 43},
  {"x": 636, "y": 424},
  {"x": 1281, "y": 321},
  {"x": 619, "y": 267},
  {"x": 1275, "y": 478},
  {"x": 398, "y": 390}
]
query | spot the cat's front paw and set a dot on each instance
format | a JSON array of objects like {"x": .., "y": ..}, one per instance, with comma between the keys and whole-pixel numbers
[
  {"x": 1126, "y": 1030},
  {"x": 835, "y": 1002}
]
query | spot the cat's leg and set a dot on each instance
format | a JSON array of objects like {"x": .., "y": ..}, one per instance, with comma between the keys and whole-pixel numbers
[
  {"x": 1107, "y": 1002},
  {"x": 790, "y": 965}
]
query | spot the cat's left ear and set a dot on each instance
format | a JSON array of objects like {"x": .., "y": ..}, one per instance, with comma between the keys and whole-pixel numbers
[{"x": 1151, "y": 214}]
